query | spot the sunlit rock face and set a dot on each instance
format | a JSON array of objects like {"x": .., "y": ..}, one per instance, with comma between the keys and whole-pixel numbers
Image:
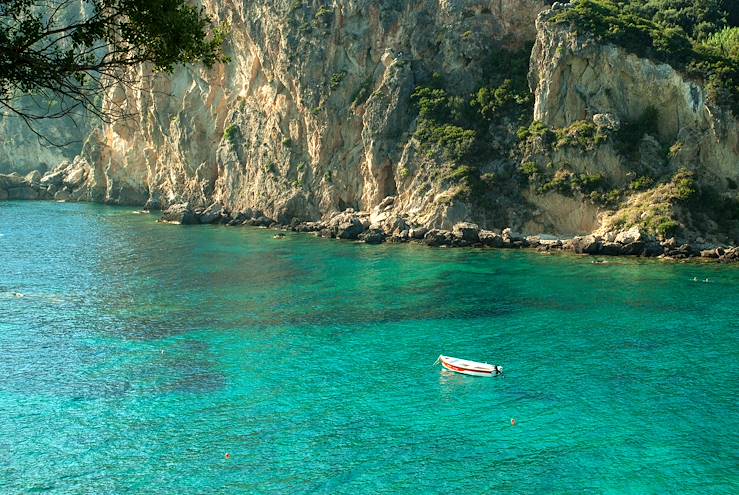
[{"x": 314, "y": 115}]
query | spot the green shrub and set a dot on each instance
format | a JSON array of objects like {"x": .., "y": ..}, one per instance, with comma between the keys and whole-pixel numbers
[
  {"x": 666, "y": 227},
  {"x": 336, "y": 79},
  {"x": 641, "y": 183},
  {"x": 586, "y": 183},
  {"x": 403, "y": 172},
  {"x": 684, "y": 185},
  {"x": 230, "y": 132},
  {"x": 454, "y": 142},
  {"x": 582, "y": 134},
  {"x": 536, "y": 129},
  {"x": 529, "y": 169},
  {"x": 664, "y": 38}
]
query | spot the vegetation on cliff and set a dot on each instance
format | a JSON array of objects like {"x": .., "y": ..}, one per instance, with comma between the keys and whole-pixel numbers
[
  {"x": 695, "y": 37},
  {"x": 67, "y": 54}
]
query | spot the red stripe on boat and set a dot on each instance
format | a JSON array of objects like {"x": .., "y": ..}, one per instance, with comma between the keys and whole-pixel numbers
[{"x": 456, "y": 368}]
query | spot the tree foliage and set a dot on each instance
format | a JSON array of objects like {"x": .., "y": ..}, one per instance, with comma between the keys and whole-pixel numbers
[{"x": 65, "y": 54}]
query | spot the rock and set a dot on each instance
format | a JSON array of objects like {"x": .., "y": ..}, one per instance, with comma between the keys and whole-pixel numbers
[
  {"x": 510, "y": 237},
  {"x": 350, "y": 229},
  {"x": 533, "y": 240},
  {"x": 710, "y": 253},
  {"x": 652, "y": 248},
  {"x": 417, "y": 233},
  {"x": 611, "y": 248},
  {"x": 75, "y": 177},
  {"x": 180, "y": 213},
  {"x": 372, "y": 236},
  {"x": 550, "y": 243},
  {"x": 607, "y": 120},
  {"x": 438, "y": 237},
  {"x": 33, "y": 177},
  {"x": 211, "y": 214},
  {"x": 589, "y": 244},
  {"x": 152, "y": 204},
  {"x": 62, "y": 195},
  {"x": 468, "y": 232},
  {"x": 490, "y": 239},
  {"x": 259, "y": 221},
  {"x": 389, "y": 200},
  {"x": 327, "y": 233},
  {"x": 3, "y": 194},
  {"x": 629, "y": 236},
  {"x": 633, "y": 248},
  {"x": 23, "y": 192}
]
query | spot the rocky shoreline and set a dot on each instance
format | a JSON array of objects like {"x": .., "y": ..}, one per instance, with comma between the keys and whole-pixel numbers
[{"x": 382, "y": 225}]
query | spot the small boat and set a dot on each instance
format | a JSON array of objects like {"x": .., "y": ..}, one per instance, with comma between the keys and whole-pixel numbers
[{"x": 469, "y": 367}]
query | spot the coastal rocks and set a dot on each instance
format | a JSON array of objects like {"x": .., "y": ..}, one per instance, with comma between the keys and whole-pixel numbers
[
  {"x": 589, "y": 244},
  {"x": 372, "y": 236},
  {"x": 438, "y": 237},
  {"x": 467, "y": 232},
  {"x": 490, "y": 239},
  {"x": 180, "y": 213},
  {"x": 14, "y": 186},
  {"x": 212, "y": 214}
]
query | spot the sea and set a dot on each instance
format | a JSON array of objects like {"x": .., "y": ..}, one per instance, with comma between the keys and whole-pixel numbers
[{"x": 147, "y": 358}]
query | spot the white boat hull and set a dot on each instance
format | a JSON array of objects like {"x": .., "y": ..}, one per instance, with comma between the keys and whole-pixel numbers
[{"x": 471, "y": 368}]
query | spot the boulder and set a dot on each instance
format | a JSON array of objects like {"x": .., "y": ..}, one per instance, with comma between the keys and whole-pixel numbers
[
  {"x": 350, "y": 229},
  {"x": 33, "y": 177},
  {"x": 372, "y": 236},
  {"x": 212, "y": 214},
  {"x": 62, "y": 195},
  {"x": 710, "y": 253},
  {"x": 180, "y": 213},
  {"x": 468, "y": 232},
  {"x": 388, "y": 201},
  {"x": 533, "y": 240},
  {"x": 607, "y": 120},
  {"x": 438, "y": 237},
  {"x": 23, "y": 192},
  {"x": 629, "y": 236},
  {"x": 611, "y": 248},
  {"x": 589, "y": 244},
  {"x": 75, "y": 177},
  {"x": 652, "y": 248},
  {"x": 417, "y": 233},
  {"x": 490, "y": 239},
  {"x": 510, "y": 237},
  {"x": 633, "y": 248}
]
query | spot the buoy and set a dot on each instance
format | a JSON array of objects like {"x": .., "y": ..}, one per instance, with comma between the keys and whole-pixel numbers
[
  {"x": 513, "y": 422},
  {"x": 228, "y": 456}
]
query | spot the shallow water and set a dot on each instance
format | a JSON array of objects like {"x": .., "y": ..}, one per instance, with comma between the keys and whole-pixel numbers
[{"x": 134, "y": 355}]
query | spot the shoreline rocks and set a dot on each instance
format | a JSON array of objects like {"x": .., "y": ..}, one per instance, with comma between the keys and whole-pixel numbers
[{"x": 382, "y": 225}]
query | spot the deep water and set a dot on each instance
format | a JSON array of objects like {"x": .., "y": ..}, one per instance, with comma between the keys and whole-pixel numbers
[{"x": 135, "y": 355}]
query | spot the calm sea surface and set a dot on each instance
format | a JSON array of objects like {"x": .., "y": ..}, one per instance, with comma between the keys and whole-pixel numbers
[{"x": 140, "y": 354}]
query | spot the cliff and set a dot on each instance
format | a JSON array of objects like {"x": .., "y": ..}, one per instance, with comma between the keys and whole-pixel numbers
[{"x": 329, "y": 106}]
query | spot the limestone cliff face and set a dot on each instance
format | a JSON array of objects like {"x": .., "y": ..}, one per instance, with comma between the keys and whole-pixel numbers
[
  {"x": 576, "y": 79},
  {"x": 312, "y": 115}
]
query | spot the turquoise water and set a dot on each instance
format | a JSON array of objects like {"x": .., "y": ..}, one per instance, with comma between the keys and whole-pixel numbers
[{"x": 140, "y": 354}]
